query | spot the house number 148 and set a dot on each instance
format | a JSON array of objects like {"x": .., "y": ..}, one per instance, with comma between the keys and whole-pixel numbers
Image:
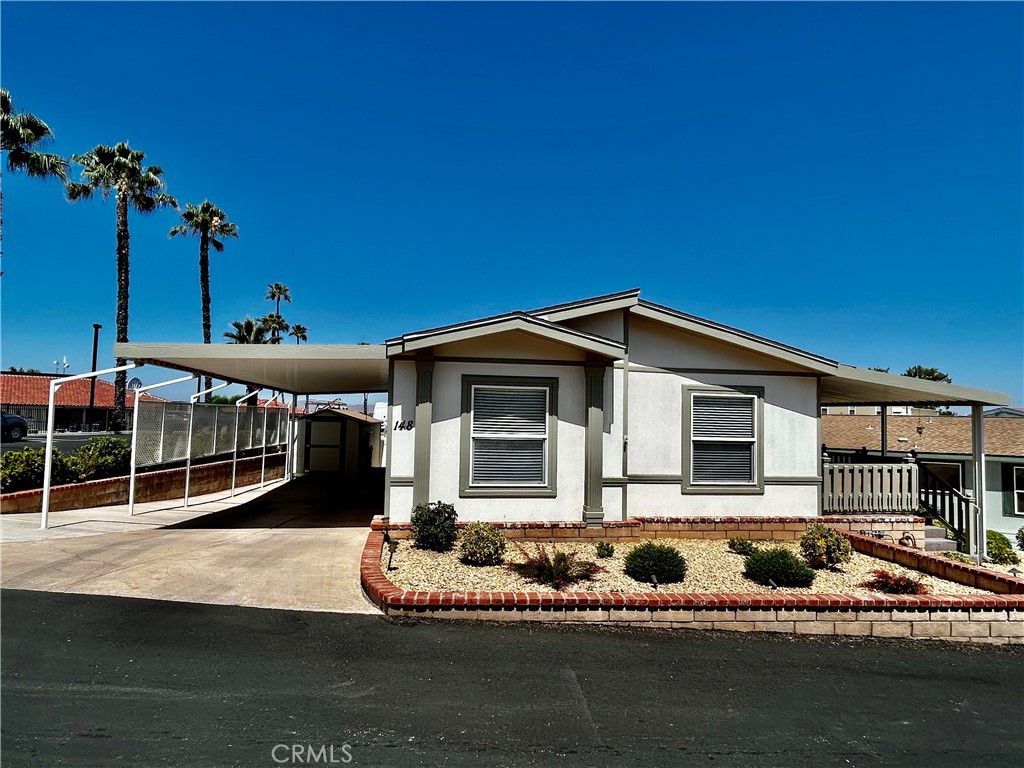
[{"x": 404, "y": 425}]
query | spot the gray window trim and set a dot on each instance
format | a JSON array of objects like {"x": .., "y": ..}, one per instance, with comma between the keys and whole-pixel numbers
[
  {"x": 688, "y": 486},
  {"x": 467, "y": 491}
]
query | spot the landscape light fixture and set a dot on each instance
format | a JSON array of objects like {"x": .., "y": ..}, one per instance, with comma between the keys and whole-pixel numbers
[
  {"x": 392, "y": 548},
  {"x": 908, "y": 540},
  {"x": 654, "y": 582},
  {"x": 772, "y": 584}
]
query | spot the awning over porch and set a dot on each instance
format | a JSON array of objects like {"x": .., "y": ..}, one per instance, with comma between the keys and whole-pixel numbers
[
  {"x": 306, "y": 369},
  {"x": 859, "y": 386}
]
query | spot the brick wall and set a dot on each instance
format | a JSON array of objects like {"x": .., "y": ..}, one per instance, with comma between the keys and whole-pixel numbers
[
  {"x": 149, "y": 486},
  {"x": 761, "y": 528},
  {"x": 991, "y": 619}
]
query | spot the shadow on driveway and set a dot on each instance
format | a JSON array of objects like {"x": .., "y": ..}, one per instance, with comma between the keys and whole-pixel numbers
[{"x": 321, "y": 500}]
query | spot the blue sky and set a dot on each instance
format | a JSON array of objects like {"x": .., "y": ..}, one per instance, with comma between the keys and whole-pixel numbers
[{"x": 845, "y": 178}]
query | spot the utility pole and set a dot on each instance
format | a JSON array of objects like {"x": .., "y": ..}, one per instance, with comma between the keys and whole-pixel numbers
[{"x": 92, "y": 382}]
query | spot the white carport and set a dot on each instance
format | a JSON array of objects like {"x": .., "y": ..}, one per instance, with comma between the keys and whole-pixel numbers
[
  {"x": 858, "y": 386},
  {"x": 311, "y": 369}
]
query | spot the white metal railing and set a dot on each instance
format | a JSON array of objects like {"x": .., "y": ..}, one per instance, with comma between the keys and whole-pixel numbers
[{"x": 852, "y": 488}]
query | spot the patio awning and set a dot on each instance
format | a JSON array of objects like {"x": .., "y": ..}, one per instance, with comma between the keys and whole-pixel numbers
[
  {"x": 859, "y": 386},
  {"x": 301, "y": 369}
]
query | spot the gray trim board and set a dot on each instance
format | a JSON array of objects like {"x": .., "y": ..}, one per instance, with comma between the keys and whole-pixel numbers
[
  {"x": 421, "y": 434},
  {"x": 593, "y": 458},
  {"x": 795, "y": 480},
  {"x": 637, "y": 368},
  {"x": 402, "y": 482}
]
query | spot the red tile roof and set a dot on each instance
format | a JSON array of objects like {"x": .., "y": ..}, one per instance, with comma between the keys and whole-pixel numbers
[
  {"x": 22, "y": 389},
  {"x": 940, "y": 434}
]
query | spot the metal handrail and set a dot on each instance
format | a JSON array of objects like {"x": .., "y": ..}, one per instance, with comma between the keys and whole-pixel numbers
[{"x": 944, "y": 502}]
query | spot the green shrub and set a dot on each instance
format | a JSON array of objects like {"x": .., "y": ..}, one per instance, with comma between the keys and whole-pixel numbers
[
  {"x": 779, "y": 565},
  {"x": 605, "y": 549},
  {"x": 652, "y": 560},
  {"x": 100, "y": 458},
  {"x": 23, "y": 470},
  {"x": 433, "y": 526},
  {"x": 481, "y": 544},
  {"x": 823, "y": 546},
  {"x": 1020, "y": 538},
  {"x": 742, "y": 546},
  {"x": 556, "y": 569},
  {"x": 959, "y": 557},
  {"x": 999, "y": 549},
  {"x": 891, "y": 584}
]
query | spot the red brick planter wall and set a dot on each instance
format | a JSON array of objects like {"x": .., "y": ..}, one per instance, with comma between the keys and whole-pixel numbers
[
  {"x": 996, "y": 619},
  {"x": 763, "y": 528},
  {"x": 149, "y": 486}
]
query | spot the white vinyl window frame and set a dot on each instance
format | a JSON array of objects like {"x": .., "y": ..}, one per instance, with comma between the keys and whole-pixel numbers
[
  {"x": 471, "y": 434},
  {"x": 1018, "y": 491},
  {"x": 725, "y": 487}
]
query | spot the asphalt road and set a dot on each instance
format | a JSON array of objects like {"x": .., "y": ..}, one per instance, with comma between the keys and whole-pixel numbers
[{"x": 101, "y": 681}]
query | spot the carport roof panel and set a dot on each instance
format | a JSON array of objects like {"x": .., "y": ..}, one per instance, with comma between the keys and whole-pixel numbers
[
  {"x": 857, "y": 386},
  {"x": 312, "y": 369}
]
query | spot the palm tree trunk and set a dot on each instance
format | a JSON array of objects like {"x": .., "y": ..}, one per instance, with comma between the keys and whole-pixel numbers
[
  {"x": 277, "y": 311},
  {"x": 204, "y": 284},
  {"x": 119, "y": 419}
]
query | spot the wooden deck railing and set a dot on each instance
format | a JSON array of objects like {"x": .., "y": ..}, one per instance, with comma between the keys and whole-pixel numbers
[{"x": 860, "y": 488}]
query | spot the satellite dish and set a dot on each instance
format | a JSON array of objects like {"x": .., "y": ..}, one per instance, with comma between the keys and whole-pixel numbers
[{"x": 134, "y": 383}]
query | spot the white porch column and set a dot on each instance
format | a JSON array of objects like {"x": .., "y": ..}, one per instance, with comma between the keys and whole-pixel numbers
[{"x": 978, "y": 455}]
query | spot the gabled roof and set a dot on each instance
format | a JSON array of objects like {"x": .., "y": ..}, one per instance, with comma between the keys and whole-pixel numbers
[
  {"x": 585, "y": 307},
  {"x": 939, "y": 434},
  {"x": 34, "y": 389},
  {"x": 513, "y": 321},
  {"x": 734, "y": 336}
]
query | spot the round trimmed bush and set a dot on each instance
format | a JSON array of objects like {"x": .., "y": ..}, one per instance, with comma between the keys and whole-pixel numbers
[
  {"x": 660, "y": 561},
  {"x": 481, "y": 544},
  {"x": 433, "y": 526},
  {"x": 823, "y": 546},
  {"x": 1020, "y": 538},
  {"x": 742, "y": 546},
  {"x": 780, "y": 565},
  {"x": 999, "y": 549},
  {"x": 100, "y": 458}
]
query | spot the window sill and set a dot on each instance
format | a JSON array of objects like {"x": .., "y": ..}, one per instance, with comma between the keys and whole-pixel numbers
[
  {"x": 507, "y": 493},
  {"x": 723, "y": 490}
]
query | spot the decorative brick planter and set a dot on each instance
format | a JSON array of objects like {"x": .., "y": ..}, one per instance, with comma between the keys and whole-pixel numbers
[
  {"x": 761, "y": 528},
  {"x": 149, "y": 486},
  {"x": 995, "y": 619}
]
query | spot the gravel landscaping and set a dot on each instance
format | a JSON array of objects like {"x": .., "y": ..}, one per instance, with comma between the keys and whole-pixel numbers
[{"x": 712, "y": 568}]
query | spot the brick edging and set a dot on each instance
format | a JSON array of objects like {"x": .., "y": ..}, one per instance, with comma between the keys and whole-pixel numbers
[{"x": 978, "y": 618}]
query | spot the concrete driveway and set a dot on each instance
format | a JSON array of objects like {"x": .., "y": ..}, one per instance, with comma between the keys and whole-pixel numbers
[{"x": 295, "y": 546}]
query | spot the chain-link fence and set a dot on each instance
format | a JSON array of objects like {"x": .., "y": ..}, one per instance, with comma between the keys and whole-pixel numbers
[{"x": 163, "y": 430}]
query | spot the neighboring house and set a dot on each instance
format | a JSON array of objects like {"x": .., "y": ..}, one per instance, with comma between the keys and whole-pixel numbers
[
  {"x": 28, "y": 396},
  {"x": 1004, "y": 412},
  {"x": 943, "y": 445},
  {"x": 876, "y": 410}
]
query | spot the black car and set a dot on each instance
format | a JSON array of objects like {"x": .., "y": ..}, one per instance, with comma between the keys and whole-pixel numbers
[{"x": 14, "y": 427}]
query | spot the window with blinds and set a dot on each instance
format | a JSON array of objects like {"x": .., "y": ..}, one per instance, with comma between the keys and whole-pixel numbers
[
  {"x": 509, "y": 436},
  {"x": 723, "y": 434}
]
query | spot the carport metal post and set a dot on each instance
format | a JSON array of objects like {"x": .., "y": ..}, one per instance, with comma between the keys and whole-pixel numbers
[
  {"x": 51, "y": 414},
  {"x": 234, "y": 451},
  {"x": 266, "y": 410},
  {"x": 135, "y": 433},
  {"x": 188, "y": 445},
  {"x": 289, "y": 460}
]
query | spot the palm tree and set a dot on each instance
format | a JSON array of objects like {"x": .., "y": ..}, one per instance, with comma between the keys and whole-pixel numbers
[
  {"x": 207, "y": 222},
  {"x": 249, "y": 331},
  {"x": 275, "y": 324},
  {"x": 21, "y": 134},
  {"x": 276, "y": 292},
  {"x": 299, "y": 332},
  {"x": 119, "y": 170}
]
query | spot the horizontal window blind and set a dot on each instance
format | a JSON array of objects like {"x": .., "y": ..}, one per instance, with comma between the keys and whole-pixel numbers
[
  {"x": 509, "y": 435},
  {"x": 723, "y": 439},
  {"x": 507, "y": 462},
  {"x": 510, "y": 411},
  {"x": 723, "y": 463},
  {"x": 723, "y": 417}
]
